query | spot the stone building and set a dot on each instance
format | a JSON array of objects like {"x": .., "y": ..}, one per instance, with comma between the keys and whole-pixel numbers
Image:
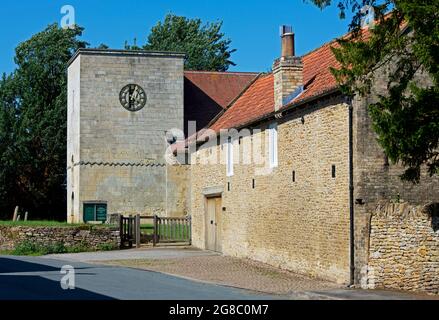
[
  {"x": 307, "y": 204},
  {"x": 279, "y": 167},
  {"x": 121, "y": 107}
]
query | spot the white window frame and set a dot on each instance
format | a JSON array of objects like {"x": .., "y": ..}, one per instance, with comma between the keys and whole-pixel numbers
[
  {"x": 273, "y": 156},
  {"x": 229, "y": 162}
]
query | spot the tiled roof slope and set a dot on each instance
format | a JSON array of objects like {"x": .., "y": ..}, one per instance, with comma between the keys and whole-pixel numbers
[
  {"x": 221, "y": 87},
  {"x": 317, "y": 76},
  {"x": 206, "y": 94},
  {"x": 255, "y": 102},
  {"x": 258, "y": 100},
  {"x": 316, "y": 68}
]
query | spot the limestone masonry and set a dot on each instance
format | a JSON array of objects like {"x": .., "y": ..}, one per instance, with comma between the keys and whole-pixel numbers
[
  {"x": 116, "y": 157},
  {"x": 94, "y": 238},
  {"x": 404, "y": 248}
]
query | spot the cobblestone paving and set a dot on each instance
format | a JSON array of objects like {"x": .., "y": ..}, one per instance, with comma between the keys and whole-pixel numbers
[{"x": 230, "y": 271}]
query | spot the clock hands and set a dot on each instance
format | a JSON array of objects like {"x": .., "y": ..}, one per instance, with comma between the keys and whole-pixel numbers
[{"x": 132, "y": 97}]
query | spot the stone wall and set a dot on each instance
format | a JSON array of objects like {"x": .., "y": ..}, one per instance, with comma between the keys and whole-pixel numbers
[
  {"x": 301, "y": 226},
  {"x": 404, "y": 248},
  {"x": 94, "y": 237},
  {"x": 178, "y": 190},
  {"x": 376, "y": 179}
]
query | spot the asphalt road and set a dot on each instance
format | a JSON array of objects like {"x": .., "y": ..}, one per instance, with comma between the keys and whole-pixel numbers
[{"x": 34, "y": 278}]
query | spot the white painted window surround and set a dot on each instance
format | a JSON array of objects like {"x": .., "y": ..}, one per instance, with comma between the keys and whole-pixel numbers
[
  {"x": 273, "y": 145},
  {"x": 229, "y": 157}
]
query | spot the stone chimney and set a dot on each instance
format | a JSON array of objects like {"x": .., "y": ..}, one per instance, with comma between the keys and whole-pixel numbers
[{"x": 287, "y": 70}]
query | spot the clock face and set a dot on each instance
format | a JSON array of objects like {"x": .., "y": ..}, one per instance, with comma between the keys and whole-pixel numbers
[{"x": 132, "y": 97}]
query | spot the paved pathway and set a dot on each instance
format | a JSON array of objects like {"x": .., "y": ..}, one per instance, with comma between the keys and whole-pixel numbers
[
  {"x": 135, "y": 254},
  {"x": 36, "y": 278},
  {"x": 206, "y": 266},
  {"x": 234, "y": 272},
  {"x": 215, "y": 271}
]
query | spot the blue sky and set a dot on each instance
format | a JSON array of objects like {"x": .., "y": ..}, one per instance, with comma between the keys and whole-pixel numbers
[{"x": 253, "y": 26}]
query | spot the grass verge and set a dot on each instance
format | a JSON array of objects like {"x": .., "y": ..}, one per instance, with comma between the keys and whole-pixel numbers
[{"x": 37, "y": 224}]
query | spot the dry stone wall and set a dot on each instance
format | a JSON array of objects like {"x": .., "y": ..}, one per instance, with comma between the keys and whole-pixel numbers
[
  {"x": 404, "y": 248},
  {"x": 93, "y": 238}
]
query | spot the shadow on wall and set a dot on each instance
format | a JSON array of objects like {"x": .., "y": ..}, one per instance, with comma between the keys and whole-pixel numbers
[
  {"x": 17, "y": 284},
  {"x": 433, "y": 212}
]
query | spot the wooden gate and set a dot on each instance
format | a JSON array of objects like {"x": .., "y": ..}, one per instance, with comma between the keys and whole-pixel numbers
[
  {"x": 158, "y": 230},
  {"x": 127, "y": 231},
  {"x": 172, "y": 230}
]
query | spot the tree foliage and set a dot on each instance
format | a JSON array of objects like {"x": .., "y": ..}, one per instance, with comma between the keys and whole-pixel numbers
[
  {"x": 204, "y": 44},
  {"x": 406, "y": 37},
  {"x": 33, "y": 113}
]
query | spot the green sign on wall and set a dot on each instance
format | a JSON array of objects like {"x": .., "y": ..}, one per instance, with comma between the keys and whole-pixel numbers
[{"x": 95, "y": 212}]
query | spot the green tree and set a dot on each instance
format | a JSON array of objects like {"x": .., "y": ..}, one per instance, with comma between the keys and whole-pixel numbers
[
  {"x": 33, "y": 113},
  {"x": 405, "y": 36},
  {"x": 102, "y": 46},
  {"x": 205, "y": 45}
]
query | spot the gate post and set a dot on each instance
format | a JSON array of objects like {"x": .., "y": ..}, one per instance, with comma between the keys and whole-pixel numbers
[
  {"x": 121, "y": 232},
  {"x": 190, "y": 230},
  {"x": 154, "y": 237},
  {"x": 138, "y": 234},
  {"x": 131, "y": 235}
]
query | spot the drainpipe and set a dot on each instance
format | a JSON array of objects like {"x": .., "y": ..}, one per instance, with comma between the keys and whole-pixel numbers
[{"x": 351, "y": 195}]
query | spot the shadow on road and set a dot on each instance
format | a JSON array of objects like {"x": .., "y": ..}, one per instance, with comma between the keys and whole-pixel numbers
[{"x": 14, "y": 286}]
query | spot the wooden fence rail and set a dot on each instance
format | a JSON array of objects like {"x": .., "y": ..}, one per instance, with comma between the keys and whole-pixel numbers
[
  {"x": 173, "y": 230},
  {"x": 164, "y": 230}
]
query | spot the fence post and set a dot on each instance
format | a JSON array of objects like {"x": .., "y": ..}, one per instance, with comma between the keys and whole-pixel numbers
[
  {"x": 138, "y": 231},
  {"x": 154, "y": 237},
  {"x": 130, "y": 229},
  {"x": 14, "y": 218},
  {"x": 121, "y": 231},
  {"x": 190, "y": 229}
]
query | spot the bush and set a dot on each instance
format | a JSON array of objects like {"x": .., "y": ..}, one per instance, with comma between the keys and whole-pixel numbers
[
  {"x": 107, "y": 247},
  {"x": 26, "y": 248},
  {"x": 54, "y": 248},
  {"x": 29, "y": 248},
  {"x": 82, "y": 247}
]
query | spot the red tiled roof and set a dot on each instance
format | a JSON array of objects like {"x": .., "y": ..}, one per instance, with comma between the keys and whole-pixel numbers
[
  {"x": 316, "y": 68},
  {"x": 317, "y": 76},
  {"x": 258, "y": 100},
  {"x": 255, "y": 102},
  {"x": 206, "y": 94},
  {"x": 221, "y": 87}
]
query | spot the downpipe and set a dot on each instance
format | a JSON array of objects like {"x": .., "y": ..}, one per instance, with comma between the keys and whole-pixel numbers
[{"x": 351, "y": 196}]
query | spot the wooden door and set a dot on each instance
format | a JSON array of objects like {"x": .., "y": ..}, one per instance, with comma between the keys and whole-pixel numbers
[
  {"x": 218, "y": 235},
  {"x": 213, "y": 224}
]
